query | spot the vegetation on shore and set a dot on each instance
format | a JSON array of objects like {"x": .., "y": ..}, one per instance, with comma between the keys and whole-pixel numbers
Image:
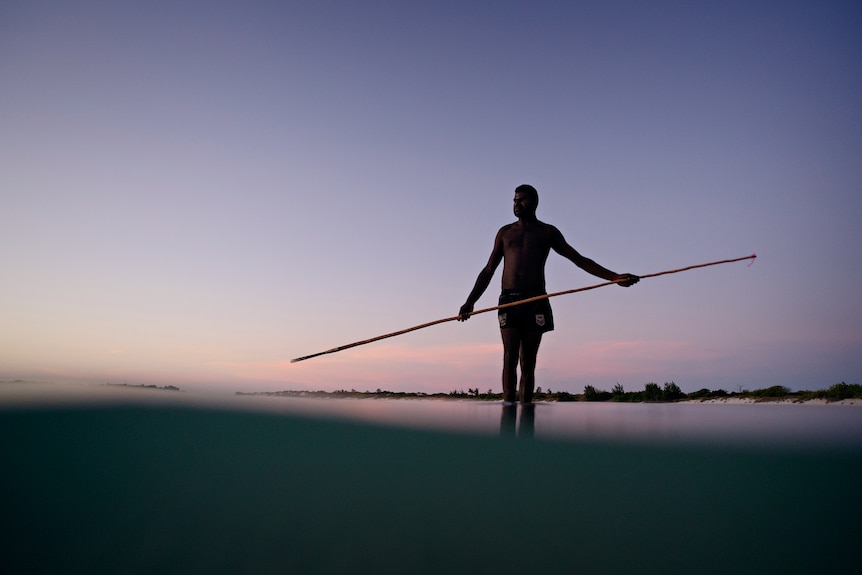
[
  {"x": 143, "y": 386},
  {"x": 652, "y": 393}
]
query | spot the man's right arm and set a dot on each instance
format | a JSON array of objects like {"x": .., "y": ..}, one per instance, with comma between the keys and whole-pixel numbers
[{"x": 484, "y": 278}]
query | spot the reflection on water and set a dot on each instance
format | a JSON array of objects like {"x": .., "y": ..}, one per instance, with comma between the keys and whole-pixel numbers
[
  {"x": 509, "y": 426},
  {"x": 742, "y": 424},
  {"x": 689, "y": 422}
]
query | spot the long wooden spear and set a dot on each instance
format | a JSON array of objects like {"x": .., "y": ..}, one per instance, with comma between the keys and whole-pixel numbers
[{"x": 514, "y": 303}]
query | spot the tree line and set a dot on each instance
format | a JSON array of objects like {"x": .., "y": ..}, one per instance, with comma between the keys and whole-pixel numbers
[{"x": 651, "y": 393}]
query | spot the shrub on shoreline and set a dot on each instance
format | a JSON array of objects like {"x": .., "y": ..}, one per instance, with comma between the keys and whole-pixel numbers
[{"x": 835, "y": 392}]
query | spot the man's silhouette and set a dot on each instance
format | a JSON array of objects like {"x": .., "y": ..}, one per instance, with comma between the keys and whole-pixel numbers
[{"x": 523, "y": 247}]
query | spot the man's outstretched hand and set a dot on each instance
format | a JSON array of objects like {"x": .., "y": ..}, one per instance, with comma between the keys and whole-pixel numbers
[
  {"x": 465, "y": 311},
  {"x": 627, "y": 280}
]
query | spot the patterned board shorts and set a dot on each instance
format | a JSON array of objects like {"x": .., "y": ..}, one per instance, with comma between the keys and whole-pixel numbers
[{"x": 533, "y": 316}]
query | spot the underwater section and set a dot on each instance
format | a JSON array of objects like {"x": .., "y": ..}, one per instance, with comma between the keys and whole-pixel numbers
[{"x": 108, "y": 488}]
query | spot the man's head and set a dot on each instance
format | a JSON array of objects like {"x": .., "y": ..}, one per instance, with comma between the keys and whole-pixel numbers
[{"x": 526, "y": 201}]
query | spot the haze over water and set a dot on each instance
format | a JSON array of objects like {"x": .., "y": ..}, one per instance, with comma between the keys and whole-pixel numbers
[{"x": 729, "y": 422}]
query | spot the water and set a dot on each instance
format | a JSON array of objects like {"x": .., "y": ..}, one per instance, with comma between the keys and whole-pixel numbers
[
  {"x": 766, "y": 424},
  {"x": 165, "y": 482}
]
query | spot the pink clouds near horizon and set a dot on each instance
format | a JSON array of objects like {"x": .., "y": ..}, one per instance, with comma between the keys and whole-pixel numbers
[{"x": 402, "y": 367}]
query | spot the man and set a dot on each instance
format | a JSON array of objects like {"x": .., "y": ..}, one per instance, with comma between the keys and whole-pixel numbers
[{"x": 523, "y": 247}]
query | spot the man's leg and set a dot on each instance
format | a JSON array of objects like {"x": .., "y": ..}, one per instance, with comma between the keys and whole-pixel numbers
[
  {"x": 511, "y": 352},
  {"x": 530, "y": 341}
]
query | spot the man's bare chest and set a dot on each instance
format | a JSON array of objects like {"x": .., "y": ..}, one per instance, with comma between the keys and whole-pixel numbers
[{"x": 526, "y": 241}]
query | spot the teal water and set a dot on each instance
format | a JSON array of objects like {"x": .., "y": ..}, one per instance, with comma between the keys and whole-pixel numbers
[
  {"x": 130, "y": 487},
  {"x": 767, "y": 424}
]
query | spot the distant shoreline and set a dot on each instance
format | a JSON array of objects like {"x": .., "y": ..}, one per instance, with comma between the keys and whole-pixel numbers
[
  {"x": 775, "y": 400},
  {"x": 838, "y": 394}
]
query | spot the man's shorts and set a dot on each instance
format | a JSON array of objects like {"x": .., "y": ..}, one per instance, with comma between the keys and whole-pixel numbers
[{"x": 534, "y": 316}]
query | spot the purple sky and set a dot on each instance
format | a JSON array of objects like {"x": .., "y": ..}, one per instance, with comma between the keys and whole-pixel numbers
[{"x": 196, "y": 192}]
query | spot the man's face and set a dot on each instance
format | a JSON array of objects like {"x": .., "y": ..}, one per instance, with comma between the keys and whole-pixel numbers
[{"x": 523, "y": 205}]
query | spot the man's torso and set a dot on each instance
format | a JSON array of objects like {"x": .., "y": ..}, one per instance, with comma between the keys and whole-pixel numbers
[{"x": 526, "y": 246}]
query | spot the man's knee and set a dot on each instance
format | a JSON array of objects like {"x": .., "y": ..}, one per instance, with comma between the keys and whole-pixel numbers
[{"x": 511, "y": 358}]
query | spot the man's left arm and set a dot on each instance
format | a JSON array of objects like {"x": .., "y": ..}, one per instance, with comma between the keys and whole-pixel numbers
[{"x": 562, "y": 247}]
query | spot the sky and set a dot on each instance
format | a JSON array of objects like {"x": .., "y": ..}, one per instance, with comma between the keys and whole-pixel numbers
[{"x": 194, "y": 193}]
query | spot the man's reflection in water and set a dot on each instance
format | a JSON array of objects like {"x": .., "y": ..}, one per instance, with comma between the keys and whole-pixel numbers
[{"x": 509, "y": 426}]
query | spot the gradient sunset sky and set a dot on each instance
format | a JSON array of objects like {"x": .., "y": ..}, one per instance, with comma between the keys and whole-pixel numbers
[{"x": 193, "y": 193}]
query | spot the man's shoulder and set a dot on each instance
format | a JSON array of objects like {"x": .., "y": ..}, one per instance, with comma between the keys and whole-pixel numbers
[
  {"x": 536, "y": 225},
  {"x": 543, "y": 227},
  {"x": 506, "y": 229}
]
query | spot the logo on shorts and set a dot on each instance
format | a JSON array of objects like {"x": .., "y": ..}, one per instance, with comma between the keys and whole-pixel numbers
[
  {"x": 540, "y": 319},
  {"x": 502, "y": 318}
]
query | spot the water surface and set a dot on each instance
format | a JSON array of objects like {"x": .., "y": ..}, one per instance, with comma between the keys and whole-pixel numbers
[
  {"x": 788, "y": 424},
  {"x": 166, "y": 482}
]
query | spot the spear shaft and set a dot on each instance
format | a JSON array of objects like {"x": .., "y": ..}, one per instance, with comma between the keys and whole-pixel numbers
[{"x": 514, "y": 303}]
